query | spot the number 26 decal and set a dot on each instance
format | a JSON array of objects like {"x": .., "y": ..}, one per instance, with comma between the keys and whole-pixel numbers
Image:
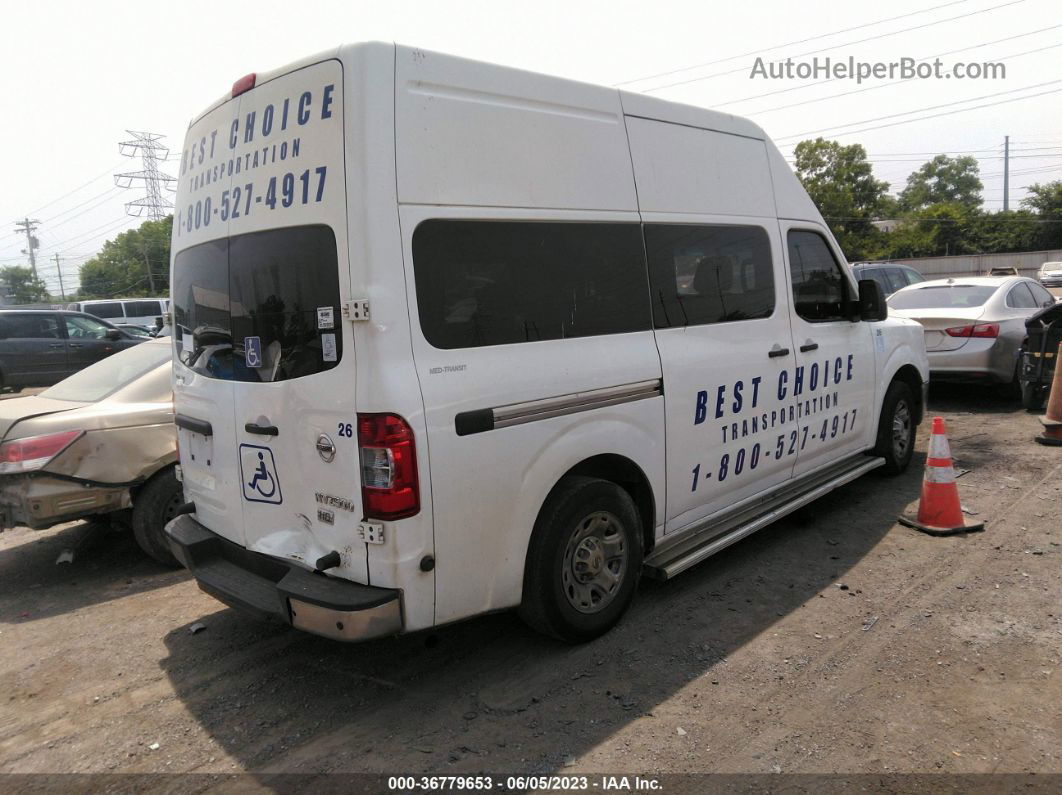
[{"x": 345, "y": 429}]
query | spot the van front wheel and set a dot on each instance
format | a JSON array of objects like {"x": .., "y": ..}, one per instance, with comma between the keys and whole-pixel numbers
[
  {"x": 584, "y": 560},
  {"x": 896, "y": 428}
]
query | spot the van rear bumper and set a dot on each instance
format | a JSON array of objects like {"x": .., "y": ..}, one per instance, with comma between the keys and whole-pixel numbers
[{"x": 272, "y": 589}]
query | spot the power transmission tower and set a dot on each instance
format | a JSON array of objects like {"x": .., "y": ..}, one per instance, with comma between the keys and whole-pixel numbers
[
  {"x": 59, "y": 270},
  {"x": 32, "y": 244},
  {"x": 148, "y": 147}
]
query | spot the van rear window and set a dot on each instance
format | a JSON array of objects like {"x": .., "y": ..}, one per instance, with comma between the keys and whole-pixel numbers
[
  {"x": 248, "y": 308},
  {"x": 497, "y": 282}
]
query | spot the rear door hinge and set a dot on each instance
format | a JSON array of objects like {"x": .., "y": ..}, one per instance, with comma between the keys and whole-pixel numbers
[{"x": 357, "y": 309}]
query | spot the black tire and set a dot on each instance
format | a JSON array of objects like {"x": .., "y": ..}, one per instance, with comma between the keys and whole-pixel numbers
[
  {"x": 1013, "y": 390},
  {"x": 896, "y": 428},
  {"x": 155, "y": 504},
  {"x": 1032, "y": 396},
  {"x": 566, "y": 559}
]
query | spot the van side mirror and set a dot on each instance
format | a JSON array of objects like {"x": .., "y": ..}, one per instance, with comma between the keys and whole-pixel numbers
[
  {"x": 113, "y": 334},
  {"x": 872, "y": 304}
]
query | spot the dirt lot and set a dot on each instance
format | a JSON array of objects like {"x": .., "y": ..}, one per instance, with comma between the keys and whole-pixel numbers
[{"x": 835, "y": 640}]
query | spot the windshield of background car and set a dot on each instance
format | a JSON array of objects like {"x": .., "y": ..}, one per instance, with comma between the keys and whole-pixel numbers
[
  {"x": 946, "y": 296},
  {"x": 108, "y": 376},
  {"x": 263, "y": 306}
]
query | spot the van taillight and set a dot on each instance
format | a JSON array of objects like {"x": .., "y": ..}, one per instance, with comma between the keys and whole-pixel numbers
[
  {"x": 389, "y": 485},
  {"x": 245, "y": 83}
]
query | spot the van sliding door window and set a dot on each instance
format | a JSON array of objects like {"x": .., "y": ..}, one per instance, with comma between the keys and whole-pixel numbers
[
  {"x": 819, "y": 288},
  {"x": 497, "y": 282},
  {"x": 246, "y": 308},
  {"x": 709, "y": 274}
]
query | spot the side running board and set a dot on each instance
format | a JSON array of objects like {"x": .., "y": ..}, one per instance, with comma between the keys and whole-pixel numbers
[{"x": 674, "y": 555}]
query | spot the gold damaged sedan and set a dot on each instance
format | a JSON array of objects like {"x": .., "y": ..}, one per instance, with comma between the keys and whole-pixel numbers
[{"x": 99, "y": 442}]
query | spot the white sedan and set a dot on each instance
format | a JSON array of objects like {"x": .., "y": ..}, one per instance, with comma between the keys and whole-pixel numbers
[{"x": 974, "y": 326}]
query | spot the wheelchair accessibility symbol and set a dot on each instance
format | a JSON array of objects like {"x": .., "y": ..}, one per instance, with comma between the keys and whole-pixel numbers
[
  {"x": 252, "y": 351},
  {"x": 258, "y": 473}
]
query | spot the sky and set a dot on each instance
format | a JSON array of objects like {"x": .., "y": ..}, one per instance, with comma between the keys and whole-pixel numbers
[{"x": 78, "y": 75}]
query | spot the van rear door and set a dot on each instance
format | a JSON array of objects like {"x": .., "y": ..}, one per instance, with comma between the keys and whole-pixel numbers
[{"x": 265, "y": 354}]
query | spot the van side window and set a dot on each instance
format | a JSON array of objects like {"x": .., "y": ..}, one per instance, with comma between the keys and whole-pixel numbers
[
  {"x": 498, "y": 282},
  {"x": 819, "y": 288},
  {"x": 709, "y": 274},
  {"x": 142, "y": 308},
  {"x": 106, "y": 310}
]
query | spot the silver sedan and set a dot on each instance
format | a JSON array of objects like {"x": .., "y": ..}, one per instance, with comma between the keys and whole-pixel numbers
[{"x": 975, "y": 326}]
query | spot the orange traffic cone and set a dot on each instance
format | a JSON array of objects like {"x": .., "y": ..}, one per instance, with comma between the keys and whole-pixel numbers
[
  {"x": 939, "y": 511},
  {"x": 1052, "y": 420}
]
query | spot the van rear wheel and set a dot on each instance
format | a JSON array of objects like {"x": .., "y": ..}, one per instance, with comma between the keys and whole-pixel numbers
[
  {"x": 896, "y": 428},
  {"x": 584, "y": 560},
  {"x": 155, "y": 504}
]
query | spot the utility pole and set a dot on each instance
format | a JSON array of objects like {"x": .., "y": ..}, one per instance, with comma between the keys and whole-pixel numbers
[
  {"x": 1006, "y": 173},
  {"x": 32, "y": 244},
  {"x": 150, "y": 149},
  {"x": 59, "y": 270}
]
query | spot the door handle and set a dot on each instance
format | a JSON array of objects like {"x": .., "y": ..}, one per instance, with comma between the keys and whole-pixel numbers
[
  {"x": 75, "y": 344},
  {"x": 811, "y": 346},
  {"x": 261, "y": 430},
  {"x": 55, "y": 345},
  {"x": 774, "y": 353}
]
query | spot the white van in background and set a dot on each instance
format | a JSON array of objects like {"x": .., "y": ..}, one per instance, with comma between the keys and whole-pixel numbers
[
  {"x": 452, "y": 338},
  {"x": 134, "y": 311}
]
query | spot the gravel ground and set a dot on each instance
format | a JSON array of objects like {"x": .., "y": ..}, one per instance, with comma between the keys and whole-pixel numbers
[{"x": 834, "y": 641}]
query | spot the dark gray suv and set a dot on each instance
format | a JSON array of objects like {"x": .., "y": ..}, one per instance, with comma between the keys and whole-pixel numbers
[
  {"x": 40, "y": 347},
  {"x": 892, "y": 276}
]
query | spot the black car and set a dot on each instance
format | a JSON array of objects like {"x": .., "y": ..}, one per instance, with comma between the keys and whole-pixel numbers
[
  {"x": 40, "y": 347},
  {"x": 892, "y": 276}
]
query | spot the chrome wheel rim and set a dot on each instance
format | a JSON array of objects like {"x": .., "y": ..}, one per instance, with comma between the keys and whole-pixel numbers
[
  {"x": 901, "y": 429},
  {"x": 595, "y": 562}
]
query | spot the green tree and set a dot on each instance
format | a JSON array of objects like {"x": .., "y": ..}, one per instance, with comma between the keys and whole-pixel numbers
[
  {"x": 952, "y": 180},
  {"x": 1014, "y": 230},
  {"x": 121, "y": 267},
  {"x": 841, "y": 182},
  {"x": 1046, "y": 201},
  {"x": 936, "y": 231},
  {"x": 21, "y": 287}
]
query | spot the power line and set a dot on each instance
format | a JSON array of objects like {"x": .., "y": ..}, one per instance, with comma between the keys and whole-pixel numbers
[
  {"x": 924, "y": 58},
  {"x": 108, "y": 192},
  {"x": 880, "y": 85},
  {"x": 788, "y": 44},
  {"x": 79, "y": 187},
  {"x": 930, "y": 107},
  {"x": 838, "y": 46}
]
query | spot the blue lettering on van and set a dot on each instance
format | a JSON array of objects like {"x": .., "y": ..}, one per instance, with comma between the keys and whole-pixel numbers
[
  {"x": 311, "y": 105},
  {"x": 279, "y": 192},
  {"x": 326, "y": 101},
  {"x": 806, "y": 382}
]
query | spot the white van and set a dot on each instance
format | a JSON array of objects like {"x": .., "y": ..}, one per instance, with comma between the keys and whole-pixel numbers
[
  {"x": 135, "y": 311},
  {"x": 453, "y": 338}
]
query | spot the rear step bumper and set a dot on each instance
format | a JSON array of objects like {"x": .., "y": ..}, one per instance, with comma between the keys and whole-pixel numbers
[{"x": 273, "y": 589}]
